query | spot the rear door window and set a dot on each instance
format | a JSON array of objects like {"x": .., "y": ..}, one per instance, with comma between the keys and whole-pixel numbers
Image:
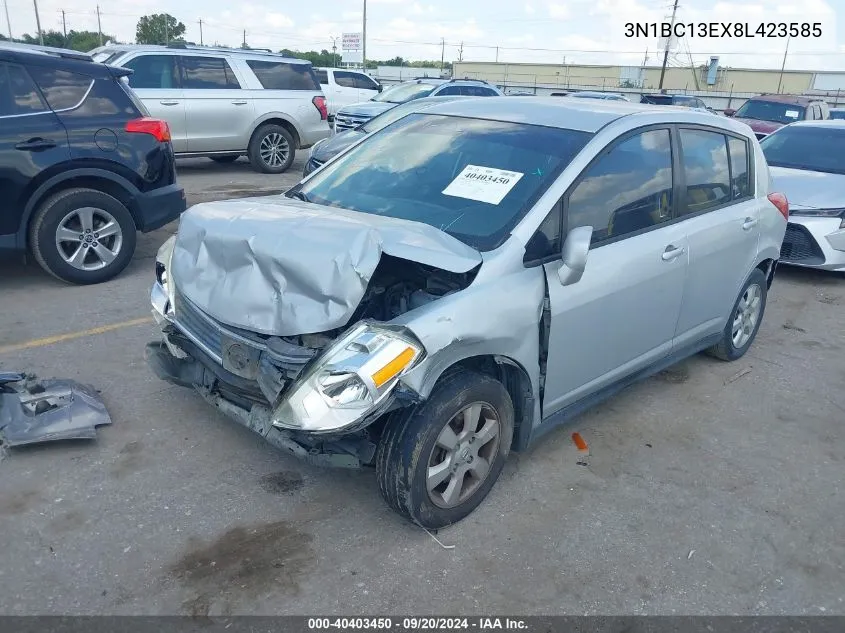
[
  {"x": 207, "y": 73},
  {"x": 322, "y": 77},
  {"x": 18, "y": 94},
  {"x": 153, "y": 71},
  {"x": 627, "y": 190},
  {"x": 705, "y": 165},
  {"x": 284, "y": 75},
  {"x": 740, "y": 172},
  {"x": 451, "y": 90},
  {"x": 345, "y": 79},
  {"x": 63, "y": 90},
  {"x": 479, "y": 91}
]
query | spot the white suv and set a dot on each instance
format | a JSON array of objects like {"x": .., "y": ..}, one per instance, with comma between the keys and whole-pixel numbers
[
  {"x": 345, "y": 87},
  {"x": 225, "y": 103}
]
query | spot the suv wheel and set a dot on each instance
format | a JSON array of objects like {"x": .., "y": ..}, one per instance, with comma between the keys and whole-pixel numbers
[
  {"x": 82, "y": 236},
  {"x": 747, "y": 314},
  {"x": 437, "y": 462},
  {"x": 271, "y": 149}
]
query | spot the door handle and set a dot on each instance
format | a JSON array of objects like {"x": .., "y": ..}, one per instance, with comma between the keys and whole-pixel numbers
[
  {"x": 36, "y": 144},
  {"x": 749, "y": 224},
  {"x": 169, "y": 103},
  {"x": 672, "y": 252},
  {"x": 239, "y": 102}
]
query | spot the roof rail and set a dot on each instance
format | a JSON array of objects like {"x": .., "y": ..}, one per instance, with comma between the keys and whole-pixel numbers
[
  {"x": 223, "y": 49},
  {"x": 46, "y": 50},
  {"x": 481, "y": 81}
]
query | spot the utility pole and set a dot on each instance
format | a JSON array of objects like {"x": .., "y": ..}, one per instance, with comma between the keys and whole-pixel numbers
[
  {"x": 64, "y": 26},
  {"x": 666, "y": 52},
  {"x": 166, "y": 31},
  {"x": 783, "y": 65},
  {"x": 99, "y": 26},
  {"x": 8, "y": 22},
  {"x": 442, "y": 53},
  {"x": 497, "y": 54},
  {"x": 461, "y": 53},
  {"x": 38, "y": 23},
  {"x": 244, "y": 43},
  {"x": 334, "y": 51},
  {"x": 201, "y": 32},
  {"x": 364, "y": 40}
]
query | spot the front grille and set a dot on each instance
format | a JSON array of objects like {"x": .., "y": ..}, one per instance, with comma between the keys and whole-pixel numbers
[
  {"x": 345, "y": 121},
  {"x": 799, "y": 247},
  {"x": 195, "y": 324}
]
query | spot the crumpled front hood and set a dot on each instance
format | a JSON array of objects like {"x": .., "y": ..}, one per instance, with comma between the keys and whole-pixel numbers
[
  {"x": 282, "y": 267},
  {"x": 810, "y": 189},
  {"x": 366, "y": 108}
]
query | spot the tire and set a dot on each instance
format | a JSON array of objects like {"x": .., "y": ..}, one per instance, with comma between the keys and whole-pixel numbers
[
  {"x": 729, "y": 348},
  {"x": 71, "y": 210},
  {"x": 409, "y": 447},
  {"x": 225, "y": 160},
  {"x": 264, "y": 140}
]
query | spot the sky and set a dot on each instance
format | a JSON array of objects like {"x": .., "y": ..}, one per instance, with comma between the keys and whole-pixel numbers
[{"x": 574, "y": 31}]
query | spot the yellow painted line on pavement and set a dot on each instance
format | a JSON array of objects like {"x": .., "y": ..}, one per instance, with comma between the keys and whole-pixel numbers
[{"x": 60, "y": 338}]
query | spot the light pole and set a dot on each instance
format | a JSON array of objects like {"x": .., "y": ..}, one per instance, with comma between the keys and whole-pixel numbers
[
  {"x": 334, "y": 52},
  {"x": 8, "y": 22},
  {"x": 364, "y": 38},
  {"x": 38, "y": 23}
]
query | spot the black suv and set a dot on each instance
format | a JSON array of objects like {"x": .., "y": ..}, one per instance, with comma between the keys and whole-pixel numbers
[{"x": 82, "y": 165}]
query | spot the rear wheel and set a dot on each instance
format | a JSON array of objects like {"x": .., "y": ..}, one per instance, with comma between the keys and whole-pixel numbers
[
  {"x": 746, "y": 317},
  {"x": 436, "y": 463},
  {"x": 82, "y": 236},
  {"x": 271, "y": 149}
]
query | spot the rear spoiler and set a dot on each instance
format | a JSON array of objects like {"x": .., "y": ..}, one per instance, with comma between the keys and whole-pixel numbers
[{"x": 117, "y": 71}]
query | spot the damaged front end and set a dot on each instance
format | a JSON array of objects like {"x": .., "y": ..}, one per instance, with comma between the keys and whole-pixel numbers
[{"x": 318, "y": 394}]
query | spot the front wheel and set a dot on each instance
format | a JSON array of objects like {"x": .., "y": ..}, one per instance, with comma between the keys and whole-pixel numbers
[
  {"x": 437, "y": 462},
  {"x": 744, "y": 322},
  {"x": 271, "y": 149}
]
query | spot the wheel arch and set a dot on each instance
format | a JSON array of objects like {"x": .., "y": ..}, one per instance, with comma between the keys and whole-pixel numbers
[
  {"x": 511, "y": 374},
  {"x": 275, "y": 118},
  {"x": 110, "y": 183},
  {"x": 768, "y": 267}
]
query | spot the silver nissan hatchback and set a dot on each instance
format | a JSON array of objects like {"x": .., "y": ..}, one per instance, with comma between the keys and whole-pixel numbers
[{"x": 466, "y": 279}]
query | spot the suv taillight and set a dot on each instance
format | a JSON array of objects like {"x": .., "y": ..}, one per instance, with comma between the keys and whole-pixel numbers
[
  {"x": 320, "y": 104},
  {"x": 148, "y": 125},
  {"x": 782, "y": 204}
]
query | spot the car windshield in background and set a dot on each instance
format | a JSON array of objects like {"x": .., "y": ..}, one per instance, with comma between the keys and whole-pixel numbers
[
  {"x": 771, "y": 111},
  {"x": 806, "y": 147},
  {"x": 404, "y": 92},
  {"x": 394, "y": 114},
  {"x": 104, "y": 57},
  {"x": 471, "y": 178}
]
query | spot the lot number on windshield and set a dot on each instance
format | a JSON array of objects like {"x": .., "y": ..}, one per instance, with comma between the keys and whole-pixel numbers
[{"x": 485, "y": 184}]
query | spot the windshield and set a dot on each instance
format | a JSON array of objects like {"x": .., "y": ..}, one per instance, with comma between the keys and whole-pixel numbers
[
  {"x": 104, "y": 57},
  {"x": 404, "y": 92},
  {"x": 806, "y": 147},
  {"x": 394, "y": 114},
  {"x": 472, "y": 178},
  {"x": 770, "y": 111}
]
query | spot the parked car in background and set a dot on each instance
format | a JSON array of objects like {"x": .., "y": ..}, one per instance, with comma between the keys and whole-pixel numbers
[
  {"x": 807, "y": 164},
  {"x": 837, "y": 113},
  {"x": 226, "y": 103},
  {"x": 766, "y": 113},
  {"x": 683, "y": 101},
  {"x": 588, "y": 94},
  {"x": 328, "y": 148},
  {"x": 350, "y": 117},
  {"x": 344, "y": 87},
  {"x": 466, "y": 280},
  {"x": 83, "y": 166}
]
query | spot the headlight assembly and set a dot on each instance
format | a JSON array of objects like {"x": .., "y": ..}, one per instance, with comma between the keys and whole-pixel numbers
[{"x": 354, "y": 376}]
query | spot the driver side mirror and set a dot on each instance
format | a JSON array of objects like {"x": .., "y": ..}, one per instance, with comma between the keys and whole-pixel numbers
[
  {"x": 575, "y": 250},
  {"x": 729, "y": 112}
]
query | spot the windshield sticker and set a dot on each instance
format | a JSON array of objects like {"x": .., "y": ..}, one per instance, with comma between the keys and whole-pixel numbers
[
  {"x": 485, "y": 184},
  {"x": 792, "y": 114}
]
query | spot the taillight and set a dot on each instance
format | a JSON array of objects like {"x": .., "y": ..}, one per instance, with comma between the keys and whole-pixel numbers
[
  {"x": 780, "y": 201},
  {"x": 148, "y": 125},
  {"x": 320, "y": 104}
]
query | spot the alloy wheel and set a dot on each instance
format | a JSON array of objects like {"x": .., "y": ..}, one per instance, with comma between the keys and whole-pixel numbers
[{"x": 89, "y": 238}]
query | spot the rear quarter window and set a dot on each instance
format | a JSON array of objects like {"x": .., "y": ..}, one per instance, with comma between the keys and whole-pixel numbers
[
  {"x": 18, "y": 94},
  {"x": 62, "y": 89},
  {"x": 284, "y": 75},
  {"x": 705, "y": 165}
]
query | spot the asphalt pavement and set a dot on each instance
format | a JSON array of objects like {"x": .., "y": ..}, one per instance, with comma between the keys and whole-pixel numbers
[{"x": 712, "y": 488}]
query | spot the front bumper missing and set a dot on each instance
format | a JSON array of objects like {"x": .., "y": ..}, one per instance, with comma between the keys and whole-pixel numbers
[{"x": 345, "y": 451}]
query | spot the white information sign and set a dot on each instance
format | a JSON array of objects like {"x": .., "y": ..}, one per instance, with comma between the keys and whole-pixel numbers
[{"x": 485, "y": 184}]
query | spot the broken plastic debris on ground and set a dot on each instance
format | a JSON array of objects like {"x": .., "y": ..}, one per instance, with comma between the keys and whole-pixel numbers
[{"x": 34, "y": 411}]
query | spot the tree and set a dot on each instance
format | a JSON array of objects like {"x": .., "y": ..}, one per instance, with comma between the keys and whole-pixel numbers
[
  {"x": 82, "y": 41},
  {"x": 159, "y": 28}
]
